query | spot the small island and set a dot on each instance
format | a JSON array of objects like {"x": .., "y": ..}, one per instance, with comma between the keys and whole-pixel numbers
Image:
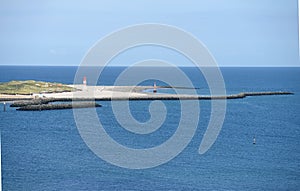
[{"x": 37, "y": 95}]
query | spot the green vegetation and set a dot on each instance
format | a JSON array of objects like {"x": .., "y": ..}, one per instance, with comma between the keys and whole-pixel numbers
[{"x": 29, "y": 87}]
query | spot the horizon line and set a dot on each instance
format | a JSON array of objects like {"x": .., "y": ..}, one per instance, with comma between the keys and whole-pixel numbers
[{"x": 225, "y": 66}]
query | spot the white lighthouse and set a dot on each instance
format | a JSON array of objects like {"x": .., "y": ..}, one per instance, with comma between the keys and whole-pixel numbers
[{"x": 154, "y": 88}]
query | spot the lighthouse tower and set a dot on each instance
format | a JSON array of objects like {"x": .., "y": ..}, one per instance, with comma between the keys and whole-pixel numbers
[
  {"x": 154, "y": 88},
  {"x": 84, "y": 81}
]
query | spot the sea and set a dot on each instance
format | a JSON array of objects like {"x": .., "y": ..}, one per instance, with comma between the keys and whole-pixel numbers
[{"x": 45, "y": 151}]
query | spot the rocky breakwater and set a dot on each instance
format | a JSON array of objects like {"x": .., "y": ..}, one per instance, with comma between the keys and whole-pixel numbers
[
  {"x": 45, "y": 104},
  {"x": 245, "y": 94},
  {"x": 58, "y": 106},
  {"x": 23, "y": 103}
]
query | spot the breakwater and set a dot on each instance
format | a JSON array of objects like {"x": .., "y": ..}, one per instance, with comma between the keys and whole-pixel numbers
[
  {"x": 39, "y": 101},
  {"x": 148, "y": 96},
  {"x": 58, "y": 106},
  {"x": 246, "y": 94},
  {"x": 82, "y": 100},
  {"x": 186, "y": 97}
]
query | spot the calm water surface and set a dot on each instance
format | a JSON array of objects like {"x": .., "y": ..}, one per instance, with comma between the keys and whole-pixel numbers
[{"x": 44, "y": 151}]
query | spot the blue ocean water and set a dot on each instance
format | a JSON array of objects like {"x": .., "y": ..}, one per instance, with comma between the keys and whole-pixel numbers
[{"x": 44, "y": 151}]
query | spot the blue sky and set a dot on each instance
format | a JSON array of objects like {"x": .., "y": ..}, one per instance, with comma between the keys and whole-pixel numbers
[{"x": 237, "y": 33}]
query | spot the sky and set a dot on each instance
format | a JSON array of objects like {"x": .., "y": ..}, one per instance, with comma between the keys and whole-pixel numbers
[{"x": 237, "y": 33}]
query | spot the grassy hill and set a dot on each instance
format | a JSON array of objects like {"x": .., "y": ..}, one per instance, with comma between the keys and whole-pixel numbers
[{"x": 30, "y": 86}]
